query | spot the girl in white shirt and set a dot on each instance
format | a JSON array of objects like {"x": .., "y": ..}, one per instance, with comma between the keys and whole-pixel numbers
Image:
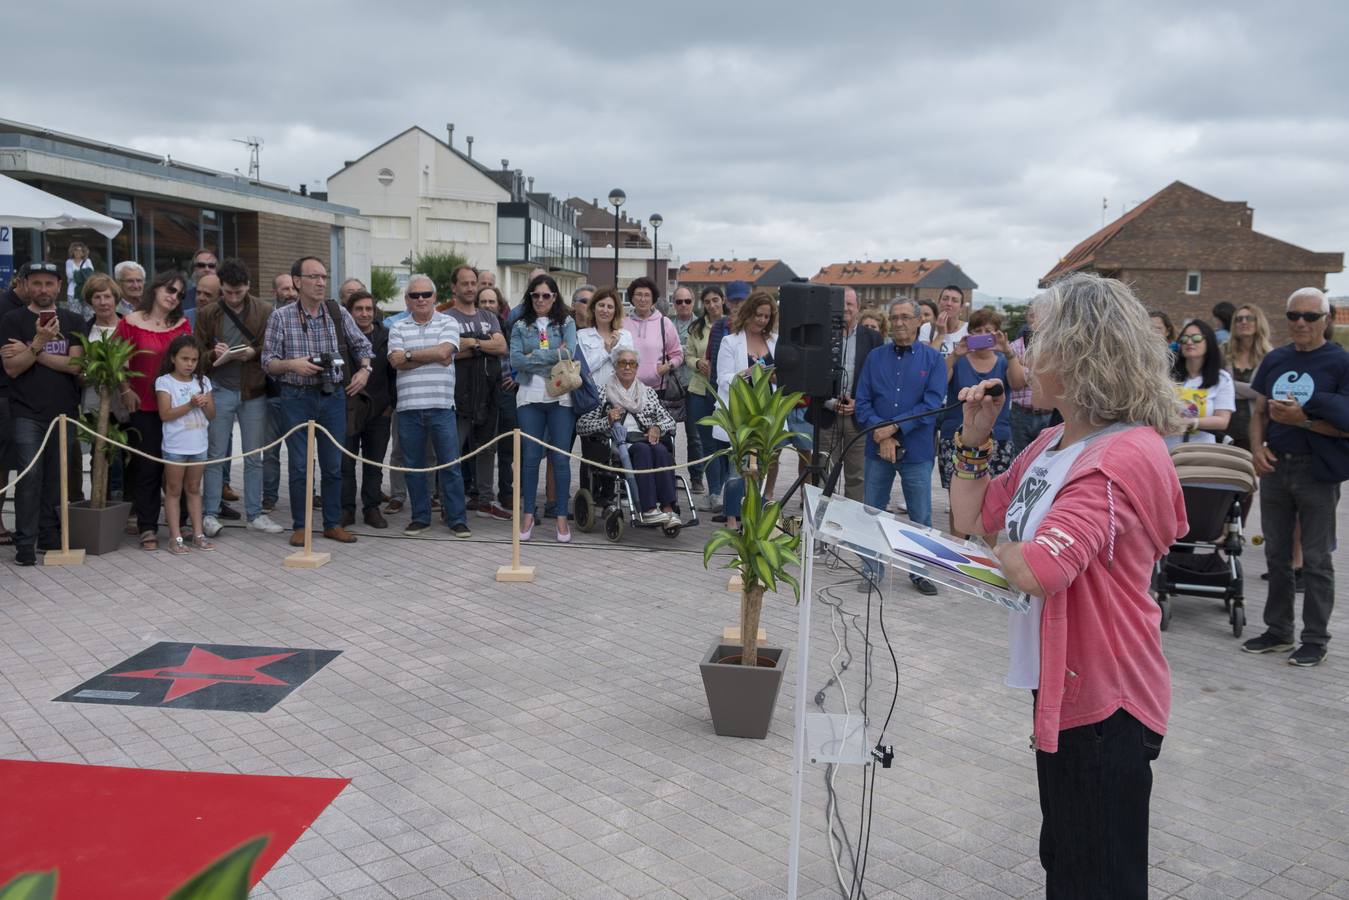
[
  {"x": 186, "y": 408},
  {"x": 606, "y": 337}
]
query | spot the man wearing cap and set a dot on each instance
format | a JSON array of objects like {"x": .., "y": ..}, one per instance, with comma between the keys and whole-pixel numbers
[{"x": 37, "y": 346}]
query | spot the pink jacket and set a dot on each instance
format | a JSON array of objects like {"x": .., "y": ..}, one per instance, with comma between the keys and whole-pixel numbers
[
  {"x": 1120, "y": 509},
  {"x": 652, "y": 336}
]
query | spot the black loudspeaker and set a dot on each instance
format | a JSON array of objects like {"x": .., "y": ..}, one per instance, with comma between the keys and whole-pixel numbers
[{"x": 810, "y": 338}]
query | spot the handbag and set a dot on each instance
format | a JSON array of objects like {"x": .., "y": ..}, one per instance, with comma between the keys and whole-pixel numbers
[
  {"x": 673, "y": 395},
  {"x": 586, "y": 397},
  {"x": 565, "y": 375}
]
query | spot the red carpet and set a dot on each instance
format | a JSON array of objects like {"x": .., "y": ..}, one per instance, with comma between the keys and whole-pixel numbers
[{"x": 136, "y": 834}]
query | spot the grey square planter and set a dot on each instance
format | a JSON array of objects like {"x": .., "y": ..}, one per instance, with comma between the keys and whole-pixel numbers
[
  {"x": 98, "y": 531},
  {"x": 740, "y": 698}
]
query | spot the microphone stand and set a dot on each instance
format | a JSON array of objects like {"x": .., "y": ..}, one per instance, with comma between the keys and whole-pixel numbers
[{"x": 832, "y": 481}]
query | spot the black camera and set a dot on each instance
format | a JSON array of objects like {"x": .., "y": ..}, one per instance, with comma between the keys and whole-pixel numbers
[{"x": 328, "y": 363}]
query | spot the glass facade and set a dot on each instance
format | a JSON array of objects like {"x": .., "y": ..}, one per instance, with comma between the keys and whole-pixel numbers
[
  {"x": 158, "y": 234},
  {"x": 530, "y": 233}
]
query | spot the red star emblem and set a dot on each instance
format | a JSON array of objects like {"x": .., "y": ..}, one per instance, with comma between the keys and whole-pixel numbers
[{"x": 202, "y": 668}]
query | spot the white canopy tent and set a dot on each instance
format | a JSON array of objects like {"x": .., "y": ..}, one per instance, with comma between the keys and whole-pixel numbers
[{"x": 24, "y": 206}]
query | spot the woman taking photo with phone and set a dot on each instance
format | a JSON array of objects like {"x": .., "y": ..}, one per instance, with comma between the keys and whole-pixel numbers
[
  {"x": 982, "y": 354},
  {"x": 1089, "y": 507}
]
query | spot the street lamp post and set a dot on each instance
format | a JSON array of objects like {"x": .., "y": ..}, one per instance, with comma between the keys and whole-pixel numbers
[
  {"x": 616, "y": 198},
  {"x": 656, "y": 221}
]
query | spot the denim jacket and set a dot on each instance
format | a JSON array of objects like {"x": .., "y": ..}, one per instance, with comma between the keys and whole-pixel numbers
[{"x": 527, "y": 357}]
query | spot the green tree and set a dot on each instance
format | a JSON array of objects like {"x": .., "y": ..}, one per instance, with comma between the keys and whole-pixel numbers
[
  {"x": 105, "y": 366},
  {"x": 438, "y": 266},
  {"x": 1013, "y": 317},
  {"x": 383, "y": 283}
]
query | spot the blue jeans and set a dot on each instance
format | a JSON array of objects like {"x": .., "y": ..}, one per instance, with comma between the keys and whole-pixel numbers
[
  {"x": 252, "y": 416},
  {"x": 1026, "y": 427},
  {"x": 915, "y": 478},
  {"x": 554, "y": 423},
  {"x": 715, "y": 472},
  {"x": 802, "y": 433},
  {"x": 299, "y": 404},
  {"x": 415, "y": 427},
  {"x": 271, "y": 460}
]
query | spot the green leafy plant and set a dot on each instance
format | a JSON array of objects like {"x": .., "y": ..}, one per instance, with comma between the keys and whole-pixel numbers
[
  {"x": 383, "y": 283},
  {"x": 438, "y": 266},
  {"x": 224, "y": 879},
  {"x": 30, "y": 886},
  {"x": 105, "y": 366},
  {"x": 755, "y": 419}
]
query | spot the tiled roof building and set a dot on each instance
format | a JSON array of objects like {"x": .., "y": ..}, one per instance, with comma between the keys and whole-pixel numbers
[
  {"x": 888, "y": 279},
  {"x": 759, "y": 273},
  {"x": 1183, "y": 251}
]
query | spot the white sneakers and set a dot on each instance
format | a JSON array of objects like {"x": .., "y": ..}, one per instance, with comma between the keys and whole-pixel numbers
[
  {"x": 211, "y": 525},
  {"x": 262, "y": 523}
]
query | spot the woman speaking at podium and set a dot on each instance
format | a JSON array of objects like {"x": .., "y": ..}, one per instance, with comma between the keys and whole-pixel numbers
[{"x": 1089, "y": 507}]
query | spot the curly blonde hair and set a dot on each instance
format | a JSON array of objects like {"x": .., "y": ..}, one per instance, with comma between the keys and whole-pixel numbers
[{"x": 1096, "y": 336}]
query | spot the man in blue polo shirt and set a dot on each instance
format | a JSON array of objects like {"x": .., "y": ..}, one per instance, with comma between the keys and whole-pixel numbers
[
  {"x": 1300, "y": 443},
  {"x": 902, "y": 379}
]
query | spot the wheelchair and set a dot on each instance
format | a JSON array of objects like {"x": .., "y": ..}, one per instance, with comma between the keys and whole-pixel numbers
[{"x": 610, "y": 499}]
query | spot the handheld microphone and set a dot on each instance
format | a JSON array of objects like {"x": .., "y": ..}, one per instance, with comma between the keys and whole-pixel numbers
[{"x": 993, "y": 390}]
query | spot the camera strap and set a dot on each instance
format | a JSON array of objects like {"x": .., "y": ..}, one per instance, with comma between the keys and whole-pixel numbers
[
  {"x": 339, "y": 328},
  {"x": 238, "y": 323}
]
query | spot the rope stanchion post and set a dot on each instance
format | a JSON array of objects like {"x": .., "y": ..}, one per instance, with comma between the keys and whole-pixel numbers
[
  {"x": 306, "y": 558},
  {"x": 515, "y": 571},
  {"x": 65, "y": 556}
]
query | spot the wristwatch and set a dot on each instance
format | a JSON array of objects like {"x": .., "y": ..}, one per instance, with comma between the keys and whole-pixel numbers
[
  {"x": 1306, "y": 423},
  {"x": 407, "y": 356}
]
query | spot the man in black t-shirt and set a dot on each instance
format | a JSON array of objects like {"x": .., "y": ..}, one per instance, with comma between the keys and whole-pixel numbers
[
  {"x": 1300, "y": 446},
  {"x": 477, "y": 380},
  {"x": 37, "y": 344}
]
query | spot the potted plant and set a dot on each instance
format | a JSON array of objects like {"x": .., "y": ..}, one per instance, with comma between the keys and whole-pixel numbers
[
  {"x": 96, "y": 525},
  {"x": 742, "y": 683}
]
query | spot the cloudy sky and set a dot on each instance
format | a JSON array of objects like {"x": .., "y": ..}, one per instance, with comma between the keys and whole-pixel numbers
[{"x": 986, "y": 132}]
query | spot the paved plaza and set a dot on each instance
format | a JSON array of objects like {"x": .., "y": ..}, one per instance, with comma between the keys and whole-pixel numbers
[{"x": 552, "y": 739}]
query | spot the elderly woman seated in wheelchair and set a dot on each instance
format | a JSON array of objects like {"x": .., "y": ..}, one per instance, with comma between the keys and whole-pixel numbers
[{"x": 630, "y": 428}]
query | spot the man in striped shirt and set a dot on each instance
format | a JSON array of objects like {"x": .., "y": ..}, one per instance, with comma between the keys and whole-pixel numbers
[{"x": 422, "y": 348}]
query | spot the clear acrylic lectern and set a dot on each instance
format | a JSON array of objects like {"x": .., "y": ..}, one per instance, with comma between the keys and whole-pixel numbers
[{"x": 831, "y": 729}]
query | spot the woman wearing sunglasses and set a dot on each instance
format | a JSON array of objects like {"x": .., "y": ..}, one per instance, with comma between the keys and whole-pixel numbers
[
  {"x": 537, "y": 339},
  {"x": 1246, "y": 348},
  {"x": 1207, "y": 395},
  {"x": 150, "y": 329}
]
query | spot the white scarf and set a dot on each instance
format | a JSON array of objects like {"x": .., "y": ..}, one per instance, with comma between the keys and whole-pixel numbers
[{"x": 629, "y": 398}]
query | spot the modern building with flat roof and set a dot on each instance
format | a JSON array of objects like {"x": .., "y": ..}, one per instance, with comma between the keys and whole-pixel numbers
[{"x": 169, "y": 209}]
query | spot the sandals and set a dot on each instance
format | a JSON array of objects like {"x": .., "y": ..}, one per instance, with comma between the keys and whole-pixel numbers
[
  {"x": 149, "y": 541},
  {"x": 178, "y": 547},
  {"x": 202, "y": 543}
]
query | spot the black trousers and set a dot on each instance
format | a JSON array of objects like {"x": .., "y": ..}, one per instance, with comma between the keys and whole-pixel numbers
[
  {"x": 371, "y": 442},
  {"x": 1094, "y": 794},
  {"x": 147, "y": 478}
]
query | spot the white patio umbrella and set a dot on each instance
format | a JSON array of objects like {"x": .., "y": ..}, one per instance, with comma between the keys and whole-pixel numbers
[{"x": 24, "y": 206}]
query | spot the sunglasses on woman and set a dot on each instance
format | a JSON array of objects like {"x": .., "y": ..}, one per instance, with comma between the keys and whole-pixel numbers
[
  {"x": 541, "y": 295},
  {"x": 1305, "y": 316},
  {"x": 1242, "y": 320},
  {"x": 1190, "y": 339}
]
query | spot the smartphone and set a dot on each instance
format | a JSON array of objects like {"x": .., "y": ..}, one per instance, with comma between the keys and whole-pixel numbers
[
  {"x": 981, "y": 341},
  {"x": 44, "y": 318}
]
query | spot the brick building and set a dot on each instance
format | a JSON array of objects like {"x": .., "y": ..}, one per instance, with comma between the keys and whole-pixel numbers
[
  {"x": 889, "y": 279},
  {"x": 759, "y": 273},
  {"x": 638, "y": 256},
  {"x": 1183, "y": 251},
  {"x": 169, "y": 208}
]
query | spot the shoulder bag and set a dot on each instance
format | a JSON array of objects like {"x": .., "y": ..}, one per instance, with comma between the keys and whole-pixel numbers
[{"x": 673, "y": 395}]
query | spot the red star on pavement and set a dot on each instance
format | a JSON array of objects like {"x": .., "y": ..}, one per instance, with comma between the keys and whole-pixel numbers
[{"x": 202, "y": 668}]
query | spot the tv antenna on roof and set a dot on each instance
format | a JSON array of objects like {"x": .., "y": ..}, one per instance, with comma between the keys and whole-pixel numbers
[{"x": 254, "y": 145}]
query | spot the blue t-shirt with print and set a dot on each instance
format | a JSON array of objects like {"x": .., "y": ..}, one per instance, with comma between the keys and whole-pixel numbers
[{"x": 1317, "y": 379}]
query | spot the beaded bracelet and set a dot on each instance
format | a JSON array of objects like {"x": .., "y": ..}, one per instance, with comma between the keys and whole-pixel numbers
[{"x": 983, "y": 451}]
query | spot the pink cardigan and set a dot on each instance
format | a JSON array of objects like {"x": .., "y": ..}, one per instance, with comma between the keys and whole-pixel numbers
[
  {"x": 1120, "y": 509},
  {"x": 653, "y": 336}
]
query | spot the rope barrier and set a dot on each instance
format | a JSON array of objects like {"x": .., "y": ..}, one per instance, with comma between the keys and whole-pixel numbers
[
  {"x": 619, "y": 469},
  {"x": 95, "y": 439}
]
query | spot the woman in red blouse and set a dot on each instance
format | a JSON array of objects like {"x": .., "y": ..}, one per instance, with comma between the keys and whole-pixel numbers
[{"x": 151, "y": 328}]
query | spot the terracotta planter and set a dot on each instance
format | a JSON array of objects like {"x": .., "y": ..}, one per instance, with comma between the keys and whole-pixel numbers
[
  {"x": 98, "y": 531},
  {"x": 740, "y": 698}
]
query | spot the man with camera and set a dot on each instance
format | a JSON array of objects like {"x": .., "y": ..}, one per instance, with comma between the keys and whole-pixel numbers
[
  {"x": 318, "y": 355},
  {"x": 904, "y": 379}
]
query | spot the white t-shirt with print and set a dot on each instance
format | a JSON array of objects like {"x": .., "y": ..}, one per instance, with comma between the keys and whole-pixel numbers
[
  {"x": 1040, "y": 484},
  {"x": 186, "y": 434},
  {"x": 948, "y": 341},
  {"x": 1198, "y": 402}
]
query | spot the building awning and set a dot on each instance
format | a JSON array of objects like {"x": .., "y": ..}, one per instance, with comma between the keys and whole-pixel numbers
[{"x": 24, "y": 206}]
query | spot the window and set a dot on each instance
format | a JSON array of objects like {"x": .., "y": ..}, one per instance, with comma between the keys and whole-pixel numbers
[{"x": 1192, "y": 282}]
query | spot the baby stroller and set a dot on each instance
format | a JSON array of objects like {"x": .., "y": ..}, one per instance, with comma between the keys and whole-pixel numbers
[
  {"x": 1206, "y": 562},
  {"x": 612, "y": 498}
]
